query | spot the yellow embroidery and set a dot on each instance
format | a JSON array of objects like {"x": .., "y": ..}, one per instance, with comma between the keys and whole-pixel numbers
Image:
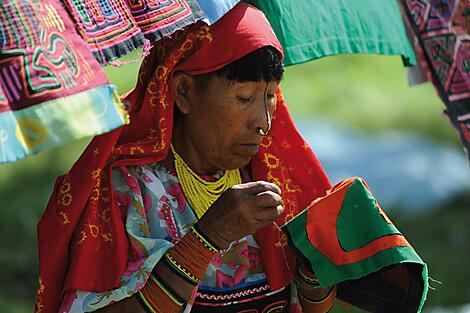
[
  {"x": 272, "y": 179},
  {"x": 94, "y": 230},
  {"x": 136, "y": 148},
  {"x": 95, "y": 174},
  {"x": 282, "y": 242},
  {"x": 104, "y": 193},
  {"x": 39, "y": 306},
  {"x": 95, "y": 194},
  {"x": 267, "y": 141},
  {"x": 53, "y": 20},
  {"x": 83, "y": 237},
  {"x": 104, "y": 215},
  {"x": 204, "y": 34},
  {"x": 65, "y": 217},
  {"x": 152, "y": 86},
  {"x": 108, "y": 237},
  {"x": 271, "y": 161},
  {"x": 67, "y": 199},
  {"x": 291, "y": 187},
  {"x": 65, "y": 188}
]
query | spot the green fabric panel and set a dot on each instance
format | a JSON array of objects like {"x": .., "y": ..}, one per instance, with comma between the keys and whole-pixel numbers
[
  {"x": 329, "y": 273},
  {"x": 311, "y": 30},
  {"x": 359, "y": 211}
]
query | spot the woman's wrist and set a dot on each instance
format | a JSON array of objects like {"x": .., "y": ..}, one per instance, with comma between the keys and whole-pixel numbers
[
  {"x": 210, "y": 233},
  {"x": 308, "y": 284},
  {"x": 316, "y": 304}
]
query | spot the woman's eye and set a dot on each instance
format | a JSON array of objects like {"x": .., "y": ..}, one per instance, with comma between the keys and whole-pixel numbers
[
  {"x": 244, "y": 99},
  {"x": 271, "y": 96}
]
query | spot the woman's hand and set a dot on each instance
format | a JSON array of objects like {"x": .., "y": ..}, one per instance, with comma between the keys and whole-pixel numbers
[{"x": 240, "y": 211}]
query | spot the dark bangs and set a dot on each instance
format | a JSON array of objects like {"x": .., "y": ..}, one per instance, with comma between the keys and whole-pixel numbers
[{"x": 263, "y": 64}]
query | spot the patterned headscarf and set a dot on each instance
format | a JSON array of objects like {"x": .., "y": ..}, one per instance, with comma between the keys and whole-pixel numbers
[{"x": 82, "y": 238}]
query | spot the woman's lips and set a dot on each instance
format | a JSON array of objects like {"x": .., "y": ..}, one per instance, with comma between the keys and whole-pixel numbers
[{"x": 249, "y": 149}]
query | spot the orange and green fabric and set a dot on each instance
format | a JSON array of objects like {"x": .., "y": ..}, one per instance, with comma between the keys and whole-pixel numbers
[{"x": 348, "y": 240}]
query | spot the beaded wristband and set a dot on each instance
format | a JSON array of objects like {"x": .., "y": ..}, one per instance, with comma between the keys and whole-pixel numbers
[
  {"x": 308, "y": 279},
  {"x": 323, "y": 305},
  {"x": 158, "y": 297},
  {"x": 191, "y": 256},
  {"x": 181, "y": 271},
  {"x": 209, "y": 244}
]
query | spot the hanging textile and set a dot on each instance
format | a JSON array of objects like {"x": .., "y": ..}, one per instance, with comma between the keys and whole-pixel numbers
[
  {"x": 52, "y": 89},
  {"x": 113, "y": 28},
  {"x": 310, "y": 30},
  {"x": 442, "y": 32}
]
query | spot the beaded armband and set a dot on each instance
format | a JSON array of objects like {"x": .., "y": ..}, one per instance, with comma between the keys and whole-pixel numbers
[
  {"x": 157, "y": 297},
  {"x": 311, "y": 280},
  {"x": 323, "y": 305},
  {"x": 191, "y": 256},
  {"x": 206, "y": 242},
  {"x": 189, "y": 259}
]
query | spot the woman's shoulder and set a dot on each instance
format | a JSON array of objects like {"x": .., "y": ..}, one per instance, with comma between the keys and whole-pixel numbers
[{"x": 150, "y": 176}]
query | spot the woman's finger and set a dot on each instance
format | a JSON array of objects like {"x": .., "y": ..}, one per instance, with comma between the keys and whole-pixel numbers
[
  {"x": 257, "y": 187},
  {"x": 267, "y": 199}
]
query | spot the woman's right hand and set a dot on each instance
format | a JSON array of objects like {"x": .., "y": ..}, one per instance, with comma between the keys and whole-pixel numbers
[{"x": 240, "y": 211}]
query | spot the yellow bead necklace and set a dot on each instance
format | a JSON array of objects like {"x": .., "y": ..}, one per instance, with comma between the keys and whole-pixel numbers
[{"x": 198, "y": 192}]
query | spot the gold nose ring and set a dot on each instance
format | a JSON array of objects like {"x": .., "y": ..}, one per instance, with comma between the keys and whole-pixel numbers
[{"x": 261, "y": 132}]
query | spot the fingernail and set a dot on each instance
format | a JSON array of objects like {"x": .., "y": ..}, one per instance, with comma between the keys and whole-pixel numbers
[{"x": 280, "y": 210}]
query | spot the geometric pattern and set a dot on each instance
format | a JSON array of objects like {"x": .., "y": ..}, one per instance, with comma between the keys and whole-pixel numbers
[
  {"x": 112, "y": 28},
  {"x": 442, "y": 29},
  {"x": 51, "y": 87}
]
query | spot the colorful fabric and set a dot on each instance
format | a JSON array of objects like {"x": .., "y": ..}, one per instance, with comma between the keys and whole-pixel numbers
[
  {"x": 113, "y": 28},
  {"x": 310, "y": 30},
  {"x": 158, "y": 216},
  {"x": 52, "y": 90},
  {"x": 251, "y": 299},
  {"x": 83, "y": 216},
  {"x": 346, "y": 236},
  {"x": 442, "y": 30}
]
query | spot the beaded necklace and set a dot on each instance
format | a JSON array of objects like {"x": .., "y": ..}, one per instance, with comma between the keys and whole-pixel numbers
[{"x": 199, "y": 192}]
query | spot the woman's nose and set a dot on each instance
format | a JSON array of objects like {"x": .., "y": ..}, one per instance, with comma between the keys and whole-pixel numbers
[{"x": 263, "y": 117}]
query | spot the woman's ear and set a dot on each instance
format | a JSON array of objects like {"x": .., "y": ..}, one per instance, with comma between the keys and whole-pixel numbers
[{"x": 183, "y": 87}]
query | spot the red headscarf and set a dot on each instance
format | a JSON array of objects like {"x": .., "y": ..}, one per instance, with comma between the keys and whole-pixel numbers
[{"x": 82, "y": 238}]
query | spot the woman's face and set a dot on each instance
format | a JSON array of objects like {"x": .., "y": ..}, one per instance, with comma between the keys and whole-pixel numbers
[{"x": 219, "y": 122}]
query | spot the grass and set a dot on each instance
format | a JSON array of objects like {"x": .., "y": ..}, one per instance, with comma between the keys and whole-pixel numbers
[{"x": 368, "y": 92}]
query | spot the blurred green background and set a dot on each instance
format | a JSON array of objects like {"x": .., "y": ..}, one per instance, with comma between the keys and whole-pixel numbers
[{"x": 367, "y": 92}]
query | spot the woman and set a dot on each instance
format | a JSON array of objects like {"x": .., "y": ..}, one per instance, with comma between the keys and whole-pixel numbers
[{"x": 179, "y": 206}]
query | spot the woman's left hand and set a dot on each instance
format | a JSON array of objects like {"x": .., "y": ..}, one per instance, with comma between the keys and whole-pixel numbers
[{"x": 241, "y": 211}]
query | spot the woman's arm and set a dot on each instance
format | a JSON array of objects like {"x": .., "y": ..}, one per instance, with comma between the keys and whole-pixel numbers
[
  {"x": 238, "y": 212},
  {"x": 312, "y": 298}
]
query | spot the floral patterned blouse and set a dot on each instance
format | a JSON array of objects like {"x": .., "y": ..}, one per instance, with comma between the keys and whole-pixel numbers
[{"x": 158, "y": 215}]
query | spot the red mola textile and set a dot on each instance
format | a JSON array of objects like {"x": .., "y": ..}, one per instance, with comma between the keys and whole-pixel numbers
[{"x": 82, "y": 239}]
